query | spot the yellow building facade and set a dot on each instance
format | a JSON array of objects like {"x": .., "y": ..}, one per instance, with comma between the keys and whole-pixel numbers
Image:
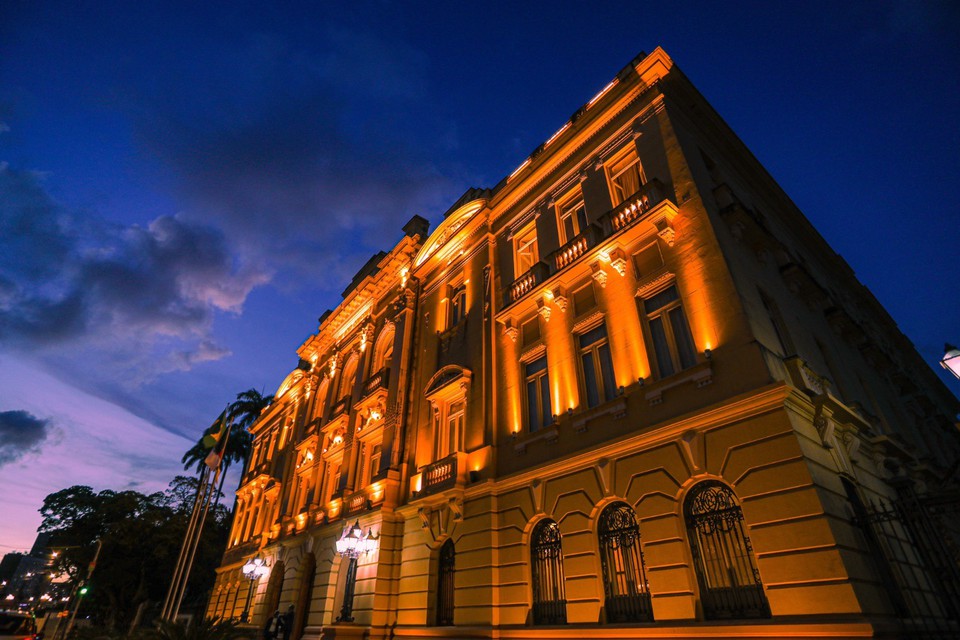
[{"x": 627, "y": 392}]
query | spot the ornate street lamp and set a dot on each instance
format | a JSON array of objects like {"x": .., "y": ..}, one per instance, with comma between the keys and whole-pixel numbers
[
  {"x": 951, "y": 359},
  {"x": 253, "y": 570},
  {"x": 351, "y": 545}
]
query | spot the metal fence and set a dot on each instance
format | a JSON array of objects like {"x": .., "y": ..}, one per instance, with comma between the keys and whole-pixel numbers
[{"x": 916, "y": 536}]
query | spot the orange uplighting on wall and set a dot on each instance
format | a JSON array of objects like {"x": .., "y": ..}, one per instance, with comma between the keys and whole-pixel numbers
[
  {"x": 416, "y": 482},
  {"x": 511, "y": 371},
  {"x": 478, "y": 459},
  {"x": 699, "y": 312},
  {"x": 334, "y": 509},
  {"x": 376, "y": 491}
]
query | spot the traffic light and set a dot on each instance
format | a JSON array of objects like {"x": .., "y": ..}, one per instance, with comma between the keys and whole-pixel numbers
[{"x": 83, "y": 590}]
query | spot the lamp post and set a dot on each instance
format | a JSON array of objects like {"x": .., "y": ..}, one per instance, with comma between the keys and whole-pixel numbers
[
  {"x": 351, "y": 545},
  {"x": 951, "y": 359},
  {"x": 253, "y": 570}
]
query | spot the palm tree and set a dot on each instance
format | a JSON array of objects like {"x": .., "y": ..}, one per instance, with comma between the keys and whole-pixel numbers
[
  {"x": 248, "y": 407},
  {"x": 241, "y": 413}
]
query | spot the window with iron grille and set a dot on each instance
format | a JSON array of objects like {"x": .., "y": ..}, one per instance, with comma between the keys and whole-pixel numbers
[
  {"x": 546, "y": 562},
  {"x": 625, "y": 589},
  {"x": 445, "y": 583},
  {"x": 723, "y": 559}
]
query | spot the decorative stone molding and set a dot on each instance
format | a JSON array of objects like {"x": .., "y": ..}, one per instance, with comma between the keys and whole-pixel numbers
[
  {"x": 588, "y": 322},
  {"x": 701, "y": 375},
  {"x": 666, "y": 231},
  {"x": 617, "y": 408},
  {"x": 533, "y": 353},
  {"x": 599, "y": 274},
  {"x": 561, "y": 302},
  {"x": 619, "y": 262},
  {"x": 334, "y": 363},
  {"x": 543, "y": 310},
  {"x": 655, "y": 284}
]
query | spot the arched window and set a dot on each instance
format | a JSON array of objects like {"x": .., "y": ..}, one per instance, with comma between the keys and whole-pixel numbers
[
  {"x": 625, "y": 589},
  {"x": 445, "y": 585},
  {"x": 349, "y": 376},
  {"x": 726, "y": 571},
  {"x": 320, "y": 399},
  {"x": 546, "y": 560},
  {"x": 383, "y": 349}
]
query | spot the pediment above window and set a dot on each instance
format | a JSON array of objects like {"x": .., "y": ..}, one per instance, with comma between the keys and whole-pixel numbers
[
  {"x": 450, "y": 381},
  {"x": 289, "y": 382}
]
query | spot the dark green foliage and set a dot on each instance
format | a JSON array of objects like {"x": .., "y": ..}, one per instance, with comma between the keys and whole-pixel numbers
[
  {"x": 198, "y": 629},
  {"x": 141, "y": 537}
]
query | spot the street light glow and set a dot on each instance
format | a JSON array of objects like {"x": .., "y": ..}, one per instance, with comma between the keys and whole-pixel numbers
[{"x": 951, "y": 359}]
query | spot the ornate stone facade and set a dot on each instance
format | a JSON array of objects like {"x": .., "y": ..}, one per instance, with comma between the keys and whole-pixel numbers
[{"x": 684, "y": 416}]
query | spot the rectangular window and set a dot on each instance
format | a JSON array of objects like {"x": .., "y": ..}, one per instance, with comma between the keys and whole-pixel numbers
[
  {"x": 375, "y": 455},
  {"x": 584, "y": 299},
  {"x": 839, "y": 387},
  {"x": 525, "y": 250},
  {"x": 455, "y": 415},
  {"x": 779, "y": 326},
  {"x": 369, "y": 464},
  {"x": 457, "y": 307},
  {"x": 672, "y": 343},
  {"x": 648, "y": 261},
  {"x": 625, "y": 175},
  {"x": 530, "y": 331},
  {"x": 599, "y": 383},
  {"x": 539, "y": 413},
  {"x": 334, "y": 481},
  {"x": 572, "y": 216},
  {"x": 448, "y": 424}
]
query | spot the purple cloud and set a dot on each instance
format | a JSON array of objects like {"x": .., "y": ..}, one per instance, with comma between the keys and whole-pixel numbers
[
  {"x": 136, "y": 301},
  {"x": 20, "y": 433}
]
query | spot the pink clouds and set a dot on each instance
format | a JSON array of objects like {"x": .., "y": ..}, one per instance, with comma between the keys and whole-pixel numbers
[{"x": 94, "y": 443}]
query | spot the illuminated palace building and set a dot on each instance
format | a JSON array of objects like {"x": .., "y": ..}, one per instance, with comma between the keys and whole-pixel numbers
[{"x": 627, "y": 392}]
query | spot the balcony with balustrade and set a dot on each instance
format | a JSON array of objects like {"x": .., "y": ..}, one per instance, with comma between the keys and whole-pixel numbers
[
  {"x": 340, "y": 408},
  {"x": 437, "y": 476},
  {"x": 650, "y": 203},
  {"x": 576, "y": 248},
  {"x": 527, "y": 282},
  {"x": 377, "y": 382},
  {"x": 635, "y": 208}
]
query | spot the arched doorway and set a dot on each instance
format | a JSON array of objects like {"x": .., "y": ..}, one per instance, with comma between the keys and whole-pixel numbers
[
  {"x": 271, "y": 601},
  {"x": 308, "y": 571}
]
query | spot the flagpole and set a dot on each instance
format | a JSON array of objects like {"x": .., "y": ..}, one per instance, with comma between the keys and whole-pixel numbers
[
  {"x": 181, "y": 574},
  {"x": 178, "y": 569},
  {"x": 188, "y": 565},
  {"x": 203, "y": 519}
]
